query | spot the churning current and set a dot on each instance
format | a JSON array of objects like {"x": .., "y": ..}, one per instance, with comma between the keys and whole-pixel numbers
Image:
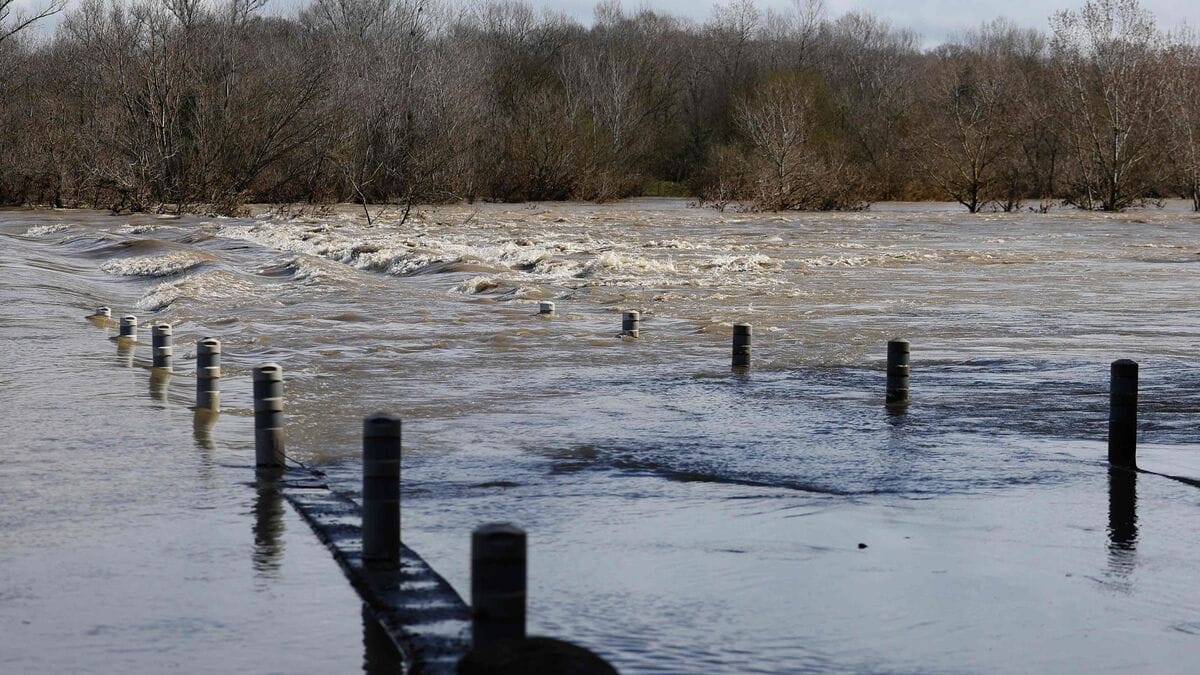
[{"x": 684, "y": 518}]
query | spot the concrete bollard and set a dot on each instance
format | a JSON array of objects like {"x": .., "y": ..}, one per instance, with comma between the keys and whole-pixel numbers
[
  {"x": 381, "y": 487},
  {"x": 268, "y": 415},
  {"x": 162, "y": 341},
  {"x": 631, "y": 323},
  {"x": 897, "y": 372},
  {"x": 208, "y": 374},
  {"x": 104, "y": 312},
  {"x": 1122, "y": 414},
  {"x": 128, "y": 328},
  {"x": 545, "y": 308},
  {"x": 497, "y": 583},
  {"x": 742, "y": 334}
]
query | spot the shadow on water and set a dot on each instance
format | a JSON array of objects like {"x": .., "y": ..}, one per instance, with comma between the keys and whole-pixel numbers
[
  {"x": 1122, "y": 522},
  {"x": 380, "y": 656},
  {"x": 268, "y": 529}
]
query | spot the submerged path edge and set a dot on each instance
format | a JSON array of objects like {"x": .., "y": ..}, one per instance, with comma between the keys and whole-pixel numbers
[{"x": 423, "y": 615}]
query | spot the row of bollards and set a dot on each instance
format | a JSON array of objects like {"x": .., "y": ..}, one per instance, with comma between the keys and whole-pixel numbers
[
  {"x": 499, "y": 550},
  {"x": 162, "y": 345},
  {"x": 897, "y": 355}
]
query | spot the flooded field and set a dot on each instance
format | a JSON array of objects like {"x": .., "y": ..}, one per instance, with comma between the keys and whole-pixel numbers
[{"x": 681, "y": 518}]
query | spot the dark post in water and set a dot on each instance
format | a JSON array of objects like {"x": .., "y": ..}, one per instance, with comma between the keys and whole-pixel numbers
[
  {"x": 631, "y": 323},
  {"x": 1122, "y": 414},
  {"x": 208, "y": 374},
  {"x": 128, "y": 328},
  {"x": 268, "y": 415},
  {"x": 497, "y": 583},
  {"x": 105, "y": 312},
  {"x": 545, "y": 308},
  {"x": 381, "y": 487},
  {"x": 162, "y": 342},
  {"x": 741, "y": 345},
  {"x": 897, "y": 372}
]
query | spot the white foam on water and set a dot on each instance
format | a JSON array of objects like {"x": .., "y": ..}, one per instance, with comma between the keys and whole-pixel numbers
[
  {"x": 476, "y": 285},
  {"x": 164, "y": 265},
  {"x": 217, "y": 287},
  {"x": 43, "y": 230},
  {"x": 613, "y": 263}
]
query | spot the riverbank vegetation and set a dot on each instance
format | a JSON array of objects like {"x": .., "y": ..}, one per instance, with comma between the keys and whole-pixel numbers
[{"x": 210, "y": 104}]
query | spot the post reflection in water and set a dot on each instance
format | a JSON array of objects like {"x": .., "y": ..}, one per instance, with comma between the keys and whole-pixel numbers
[
  {"x": 1122, "y": 521},
  {"x": 159, "y": 379},
  {"x": 268, "y": 528},
  {"x": 203, "y": 422},
  {"x": 380, "y": 655},
  {"x": 125, "y": 353}
]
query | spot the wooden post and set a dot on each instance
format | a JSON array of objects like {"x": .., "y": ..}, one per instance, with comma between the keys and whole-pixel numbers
[
  {"x": 498, "y": 582},
  {"x": 545, "y": 308}
]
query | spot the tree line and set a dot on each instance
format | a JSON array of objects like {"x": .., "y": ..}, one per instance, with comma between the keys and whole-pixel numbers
[{"x": 135, "y": 105}]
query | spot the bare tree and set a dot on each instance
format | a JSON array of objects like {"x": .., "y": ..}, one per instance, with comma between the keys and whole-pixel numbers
[
  {"x": 1183, "y": 112},
  {"x": 970, "y": 146},
  {"x": 870, "y": 68},
  {"x": 13, "y": 21},
  {"x": 1108, "y": 58},
  {"x": 788, "y": 164},
  {"x": 208, "y": 104}
]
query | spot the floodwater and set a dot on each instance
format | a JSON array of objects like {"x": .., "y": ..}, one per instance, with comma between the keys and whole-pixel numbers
[{"x": 682, "y": 518}]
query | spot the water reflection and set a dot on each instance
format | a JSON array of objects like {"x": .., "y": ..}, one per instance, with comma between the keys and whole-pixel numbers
[
  {"x": 380, "y": 656},
  {"x": 1122, "y": 522},
  {"x": 159, "y": 379},
  {"x": 268, "y": 529},
  {"x": 125, "y": 352},
  {"x": 203, "y": 421}
]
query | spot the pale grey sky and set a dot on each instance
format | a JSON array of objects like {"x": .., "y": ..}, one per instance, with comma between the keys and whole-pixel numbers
[{"x": 935, "y": 20}]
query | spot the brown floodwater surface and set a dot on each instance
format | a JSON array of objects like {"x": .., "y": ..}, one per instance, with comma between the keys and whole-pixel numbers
[{"x": 681, "y": 518}]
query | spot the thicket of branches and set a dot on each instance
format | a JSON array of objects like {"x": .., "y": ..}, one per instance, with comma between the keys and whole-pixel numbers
[{"x": 209, "y": 104}]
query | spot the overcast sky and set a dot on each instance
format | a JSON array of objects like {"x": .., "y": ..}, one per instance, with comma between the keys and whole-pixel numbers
[{"x": 935, "y": 20}]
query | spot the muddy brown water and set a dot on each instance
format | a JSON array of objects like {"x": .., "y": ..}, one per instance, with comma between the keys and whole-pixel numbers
[{"x": 681, "y": 518}]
